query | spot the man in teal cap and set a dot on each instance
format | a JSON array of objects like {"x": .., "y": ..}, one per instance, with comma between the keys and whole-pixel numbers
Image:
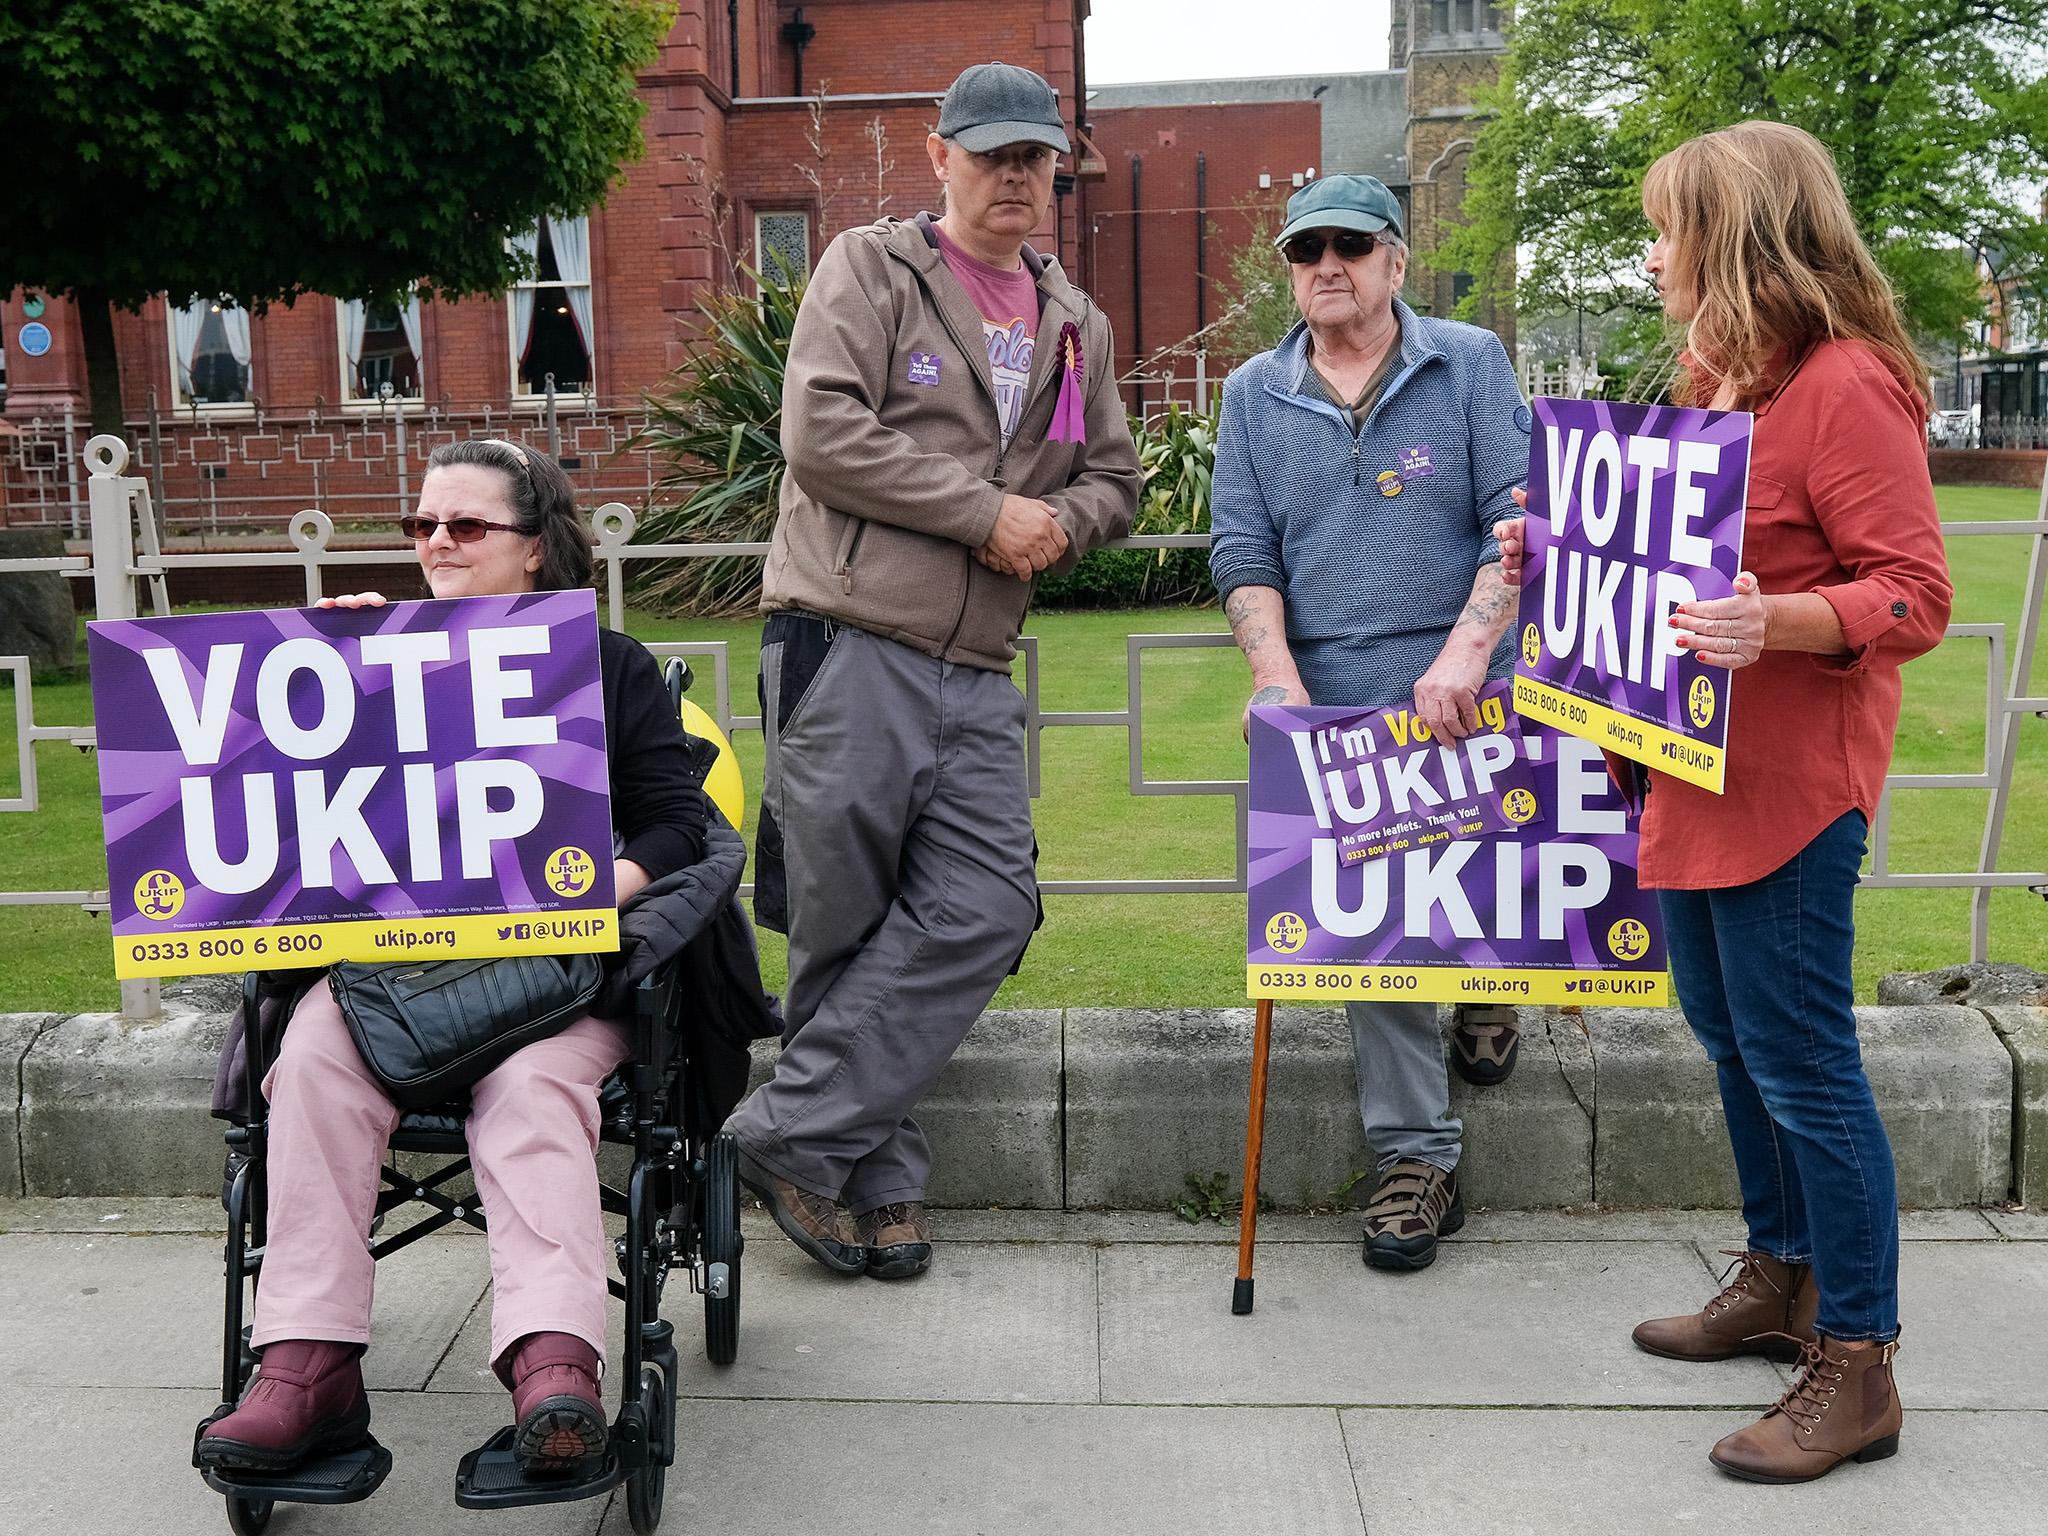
[{"x": 1355, "y": 556}]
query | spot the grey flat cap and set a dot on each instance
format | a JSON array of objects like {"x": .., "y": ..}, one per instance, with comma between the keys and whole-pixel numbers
[{"x": 991, "y": 105}]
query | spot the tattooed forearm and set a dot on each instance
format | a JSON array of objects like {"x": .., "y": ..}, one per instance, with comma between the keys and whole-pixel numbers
[
  {"x": 1272, "y": 693},
  {"x": 1247, "y": 624},
  {"x": 1490, "y": 607}
]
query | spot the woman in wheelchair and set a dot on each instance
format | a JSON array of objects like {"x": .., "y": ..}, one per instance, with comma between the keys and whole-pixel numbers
[{"x": 492, "y": 519}]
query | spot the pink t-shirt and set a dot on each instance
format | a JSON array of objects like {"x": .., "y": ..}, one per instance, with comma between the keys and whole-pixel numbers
[{"x": 1008, "y": 301}]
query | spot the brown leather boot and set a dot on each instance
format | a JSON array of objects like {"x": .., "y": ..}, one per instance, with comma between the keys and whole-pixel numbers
[
  {"x": 1843, "y": 1405},
  {"x": 823, "y": 1228},
  {"x": 306, "y": 1398},
  {"x": 898, "y": 1239},
  {"x": 555, "y": 1402},
  {"x": 1767, "y": 1308}
]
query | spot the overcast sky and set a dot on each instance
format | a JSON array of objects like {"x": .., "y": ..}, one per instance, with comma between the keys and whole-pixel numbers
[{"x": 1206, "y": 39}]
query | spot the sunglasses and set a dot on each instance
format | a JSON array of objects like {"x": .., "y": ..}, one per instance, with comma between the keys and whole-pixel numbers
[
  {"x": 1305, "y": 250},
  {"x": 463, "y": 530}
]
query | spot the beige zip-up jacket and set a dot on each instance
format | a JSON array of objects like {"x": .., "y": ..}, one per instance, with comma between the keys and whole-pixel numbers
[{"x": 896, "y": 464}]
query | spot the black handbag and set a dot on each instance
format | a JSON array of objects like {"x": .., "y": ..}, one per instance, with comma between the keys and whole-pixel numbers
[{"x": 428, "y": 1032}]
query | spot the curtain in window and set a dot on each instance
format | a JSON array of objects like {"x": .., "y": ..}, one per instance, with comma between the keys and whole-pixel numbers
[
  {"x": 187, "y": 319},
  {"x": 354, "y": 315},
  {"x": 409, "y": 317},
  {"x": 520, "y": 300},
  {"x": 234, "y": 321},
  {"x": 571, "y": 240}
]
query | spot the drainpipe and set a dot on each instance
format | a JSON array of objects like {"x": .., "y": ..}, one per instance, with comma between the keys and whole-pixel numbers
[
  {"x": 1201, "y": 239},
  {"x": 798, "y": 34},
  {"x": 1137, "y": 262},
  {"x": 732, "y": 38}
]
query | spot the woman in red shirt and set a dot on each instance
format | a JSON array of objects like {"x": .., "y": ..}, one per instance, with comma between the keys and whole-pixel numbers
[{"x": 1758, "y": 256}]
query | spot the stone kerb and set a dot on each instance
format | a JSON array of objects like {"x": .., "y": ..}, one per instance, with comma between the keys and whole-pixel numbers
[
  {"x": 110, "y": 1107},
  {"x": 1942, "y": 1079},
  {"x": 2024, "y": 1032}
]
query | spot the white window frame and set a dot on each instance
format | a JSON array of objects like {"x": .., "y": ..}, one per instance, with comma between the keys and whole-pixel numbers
[
  {"x": 350, "y": 401},
  {"x": 760, "y": 250},
  {"x": 181, "y": 403},
  {"x": 539, "y": 400}
]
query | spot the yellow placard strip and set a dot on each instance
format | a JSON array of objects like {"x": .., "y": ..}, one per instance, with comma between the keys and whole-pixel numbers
[
  {"x": 1656, "y": 745},
  {"x": 288, "y": 946},
  {"x": 1456, "y": 984}
]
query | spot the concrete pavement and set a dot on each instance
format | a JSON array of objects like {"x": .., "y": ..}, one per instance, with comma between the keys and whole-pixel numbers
[{"x": 1058, "y": 1372}]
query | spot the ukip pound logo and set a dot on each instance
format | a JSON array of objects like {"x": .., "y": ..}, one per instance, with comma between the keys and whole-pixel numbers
[
  {"x": 1532, "y": 646},
  {"x": 1700, "y": 702},
  {"x": 1518, "y": 805},
  {"x": 1286, "y": 933},
  {"x": 1628, "y": 939},
  {"x": 570, "y": 872},
  {"x": 159, "y": 895}
]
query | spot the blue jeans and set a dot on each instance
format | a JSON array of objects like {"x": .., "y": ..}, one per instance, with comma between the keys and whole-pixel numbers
[{"x": 1763, "y": 975}]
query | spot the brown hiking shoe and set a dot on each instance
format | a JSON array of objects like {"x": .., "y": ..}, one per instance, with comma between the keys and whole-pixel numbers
[
  {"x": 822, "y": 1228},
  {"x": 555, "y": 1402},
  {"x": 1486, "y": 1041},
  {"x": 1843, "y": 1406},
  {"x": 1765, "y": 1307},
  {"x": 898, "y": 1239},
  {"x": 305, "y": 1398},
  {"x": 1415, "y": 1204}
]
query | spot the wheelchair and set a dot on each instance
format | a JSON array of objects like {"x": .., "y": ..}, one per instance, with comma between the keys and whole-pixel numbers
[{"x": 681, "y": 1205}]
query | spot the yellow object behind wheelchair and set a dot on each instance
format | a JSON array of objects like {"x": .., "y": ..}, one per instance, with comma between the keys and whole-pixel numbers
[{"x": 723, "y": 783}]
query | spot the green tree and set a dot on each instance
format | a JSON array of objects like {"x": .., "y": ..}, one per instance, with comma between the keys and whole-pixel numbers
[
  {"x": 1258, "y": 297},
  {"x": 269, "y": 148},
  {"x": 1936, "y": 112}
]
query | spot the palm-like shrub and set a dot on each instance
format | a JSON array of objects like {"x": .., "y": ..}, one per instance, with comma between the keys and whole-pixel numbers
[
  {"x": 716, "y": 432},
  {"x": 1177, "y": 455}
]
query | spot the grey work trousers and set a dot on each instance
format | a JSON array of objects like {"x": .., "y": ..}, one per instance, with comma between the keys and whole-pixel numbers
[
  {"x": 1404, "y": 1087},
  {"x": 899, "y": 783}
]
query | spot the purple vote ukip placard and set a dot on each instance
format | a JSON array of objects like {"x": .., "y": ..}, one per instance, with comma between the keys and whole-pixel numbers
[
  {"x": 300, "y": 786},
  {"x": 1548, "y": 912},
  {"x": 1633, "y": 509}
]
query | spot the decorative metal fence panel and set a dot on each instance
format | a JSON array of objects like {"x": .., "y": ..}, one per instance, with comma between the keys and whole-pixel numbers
[{"x": 125, "y": 548}]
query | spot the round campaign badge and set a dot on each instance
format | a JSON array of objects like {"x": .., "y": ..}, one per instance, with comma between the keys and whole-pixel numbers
[
  {"x": 1390, "y": 482},
  {"x": 159, "y": 895},
  {"x": 1532, "y": 646},
  {"x": 1518, "y": 805},
  {"x": 570, "y": 872},
  {"x": 1628, "y": 939},
  {"x": 1700, "y": 701},
  {"x": 1286, "y": 933}
]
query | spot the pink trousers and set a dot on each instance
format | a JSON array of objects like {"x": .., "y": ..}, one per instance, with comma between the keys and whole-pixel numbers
[{"x": 532, "y": 1130}]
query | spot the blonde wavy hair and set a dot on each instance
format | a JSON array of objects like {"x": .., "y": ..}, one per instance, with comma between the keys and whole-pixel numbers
[{"x": 1761, "y": 235}]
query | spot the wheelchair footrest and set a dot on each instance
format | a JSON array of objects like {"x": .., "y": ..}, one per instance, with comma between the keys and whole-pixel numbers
[
  {"x": 339, "y": 1477},
  {"x": 490, "y": 1477}
]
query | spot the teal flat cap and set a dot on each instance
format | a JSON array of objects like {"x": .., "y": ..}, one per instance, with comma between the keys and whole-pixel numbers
[{"x": 1343, "y": 202}]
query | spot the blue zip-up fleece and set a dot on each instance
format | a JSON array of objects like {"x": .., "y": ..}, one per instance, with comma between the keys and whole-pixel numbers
[{"x": 1373, "y": 582}]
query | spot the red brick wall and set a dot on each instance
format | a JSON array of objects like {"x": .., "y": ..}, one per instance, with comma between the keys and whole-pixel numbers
[
  {"x": 1239, "y": 142},
  {"x": 2021, "y": 467}
]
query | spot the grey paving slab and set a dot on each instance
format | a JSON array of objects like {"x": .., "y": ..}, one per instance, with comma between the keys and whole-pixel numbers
[
  {"x": 59, "y": 1476},
  {"x": 991, "y": 1322},
  {"x": 1632, "y": 1473},
  {"x": 1514, "y": 1323},
  {"x": 2020, "y": 1226},
  {"x": 952, "y": 1469},
  {"x": 78, "y": 1310},
  {"x": 1724, "y": 1229},
  {"x": 1972, "y": 1318}
]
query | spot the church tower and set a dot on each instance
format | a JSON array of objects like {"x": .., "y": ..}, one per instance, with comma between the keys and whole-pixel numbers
[{"x": 1450, "y": 49}]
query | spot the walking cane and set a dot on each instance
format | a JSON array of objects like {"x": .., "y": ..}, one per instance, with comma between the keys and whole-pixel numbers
[{"x": 1254, "y": 1136}]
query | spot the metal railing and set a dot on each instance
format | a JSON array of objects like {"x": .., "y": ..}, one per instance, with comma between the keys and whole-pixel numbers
[{"x": 125, "y": 550}]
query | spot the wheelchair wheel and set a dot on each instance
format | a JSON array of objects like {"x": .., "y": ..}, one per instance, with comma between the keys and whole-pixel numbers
[
  {"x": 722, "y": 1245},
  {"x": 246, "y": 1517},
  {"x": 645, "y": 1487}
]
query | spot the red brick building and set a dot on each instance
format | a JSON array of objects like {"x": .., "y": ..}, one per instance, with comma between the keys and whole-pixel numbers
[{"x": 770, "y": 126}]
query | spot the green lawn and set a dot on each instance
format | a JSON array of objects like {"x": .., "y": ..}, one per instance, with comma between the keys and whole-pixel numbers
[{"x": 1178, "y": 950}]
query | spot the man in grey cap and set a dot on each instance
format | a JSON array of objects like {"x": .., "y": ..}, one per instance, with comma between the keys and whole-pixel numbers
[
  {"x": 1354, "y": 552},
  {"x": 952, "y": 427}
]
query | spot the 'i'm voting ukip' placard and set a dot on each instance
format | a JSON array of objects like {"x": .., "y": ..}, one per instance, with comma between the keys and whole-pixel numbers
[
  {"x": 1633, "y": 509},
  {"x": 301, "y": 786}
]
